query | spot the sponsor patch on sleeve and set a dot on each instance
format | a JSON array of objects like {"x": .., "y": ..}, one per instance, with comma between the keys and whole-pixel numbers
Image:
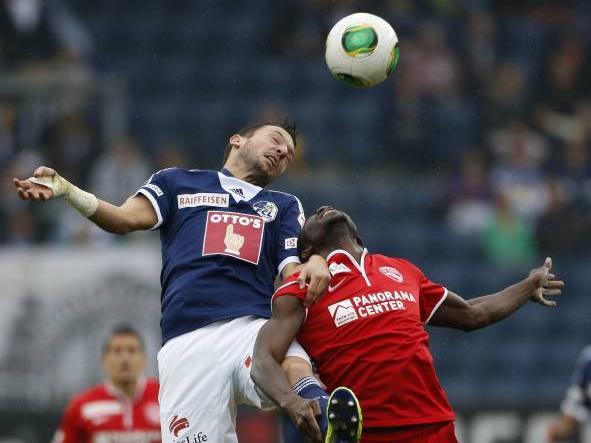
[
  {"x": 291, "y": 243},
  {"x": 154, "y": 188}
]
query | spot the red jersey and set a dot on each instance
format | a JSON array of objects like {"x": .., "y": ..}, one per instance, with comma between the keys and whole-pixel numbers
[
  {"x": 367, "y": 333},
  {"x": 102, "y": 414}
]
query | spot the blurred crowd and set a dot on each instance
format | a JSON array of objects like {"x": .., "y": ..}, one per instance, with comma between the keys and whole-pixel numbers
[{"x": 489, "y": 97}]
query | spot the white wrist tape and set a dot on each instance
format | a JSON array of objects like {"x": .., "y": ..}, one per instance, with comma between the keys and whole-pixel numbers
[{"x": 84, "y": 202}]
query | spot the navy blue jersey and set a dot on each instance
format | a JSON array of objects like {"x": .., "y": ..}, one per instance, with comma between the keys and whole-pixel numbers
[
  {"x": 577, "y": 403},
  {"x": 223, "y": 243}
]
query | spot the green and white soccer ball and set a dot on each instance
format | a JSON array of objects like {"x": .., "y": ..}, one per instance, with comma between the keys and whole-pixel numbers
[{"x": 362, "y": 50}]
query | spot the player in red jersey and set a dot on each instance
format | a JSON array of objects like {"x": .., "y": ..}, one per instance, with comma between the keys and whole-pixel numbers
[
  {"x": 122, "y": 409},
  {"x": 367, "y": 331}
]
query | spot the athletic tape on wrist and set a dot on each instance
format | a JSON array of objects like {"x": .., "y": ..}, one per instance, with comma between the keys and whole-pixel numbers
[{"x": 84, "y": 202}]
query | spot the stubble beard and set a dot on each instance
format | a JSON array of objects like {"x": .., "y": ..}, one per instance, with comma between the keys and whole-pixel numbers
[{"x": 257, "y": 174}]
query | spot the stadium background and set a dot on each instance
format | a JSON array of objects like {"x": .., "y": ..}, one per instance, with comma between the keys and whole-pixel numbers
[{"x": 473, "y": 162}]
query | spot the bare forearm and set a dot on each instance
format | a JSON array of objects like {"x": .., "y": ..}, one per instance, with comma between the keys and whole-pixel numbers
[
  {"x": 269, "y": 376},
  {"x": 496, "y": 307},
  {"x": 271, "y": 346},
  {"x": 112, "y": 218},
  {"x": 136, "y": 213}
]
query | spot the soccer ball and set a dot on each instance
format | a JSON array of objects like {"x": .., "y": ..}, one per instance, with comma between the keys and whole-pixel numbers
[{"x": 362, "y": 50}]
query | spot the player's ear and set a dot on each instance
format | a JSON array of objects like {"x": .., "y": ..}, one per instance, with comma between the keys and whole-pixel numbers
[{"x": 236, "y": 140}]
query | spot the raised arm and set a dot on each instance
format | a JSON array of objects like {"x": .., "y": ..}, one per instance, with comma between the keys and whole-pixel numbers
[
  {"x": 135, "y": 214},
  {"x": 270, "y": 348},
  {"x": 468, "y": 315}
]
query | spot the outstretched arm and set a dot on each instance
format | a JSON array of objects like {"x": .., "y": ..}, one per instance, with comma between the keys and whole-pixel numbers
[
  {"x": 135, "y": 214},
  {"x": 270, "y": 348},
  {"x": 480, "y": 312}
]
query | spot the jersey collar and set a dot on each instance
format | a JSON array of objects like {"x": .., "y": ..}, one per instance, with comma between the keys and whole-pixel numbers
[
  {"x": 139, "y": 392},
  {"x": 340, "y": 262},
  {"x": 239, "y": 189}
]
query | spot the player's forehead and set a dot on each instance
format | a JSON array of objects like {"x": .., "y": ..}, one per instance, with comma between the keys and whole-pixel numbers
[
  {"x": 277, "y": 130},
  {"x": 128, "y": 340}
]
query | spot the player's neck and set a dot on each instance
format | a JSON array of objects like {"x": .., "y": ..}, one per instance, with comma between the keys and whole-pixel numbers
[
  {"x": 242, "y": 172},
  {"x": 128, "y": 389},
  {"x": 350, "y": 246}
]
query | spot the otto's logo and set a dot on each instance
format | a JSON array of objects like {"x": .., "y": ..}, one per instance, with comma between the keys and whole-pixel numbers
[
  {"x": 342, "y": 312},
  {"x": 234, "y": 234},
  {"x": 234, "y": 219},
  {"x": 391, "y": 272},
  {"x": 267, "y": 210},
  {"x": 177, "y": 424}
]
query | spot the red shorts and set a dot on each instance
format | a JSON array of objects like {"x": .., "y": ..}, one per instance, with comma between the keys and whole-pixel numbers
[{"x": 430, "y": 433}]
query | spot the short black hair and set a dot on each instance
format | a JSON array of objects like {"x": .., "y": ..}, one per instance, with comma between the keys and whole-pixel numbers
[
  {"x": 307, "y": 248},
  {"x": 123, "y": 329},
  {"x": 289, "y": 125}
]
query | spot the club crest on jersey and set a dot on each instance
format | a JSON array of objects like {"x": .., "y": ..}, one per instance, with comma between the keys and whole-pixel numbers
[
  {"x": 267, "y": 210},
  {"x": 391, "y": 272},
  {"x": 234, "y": 234},
  {"x": 342, "y": 313}
]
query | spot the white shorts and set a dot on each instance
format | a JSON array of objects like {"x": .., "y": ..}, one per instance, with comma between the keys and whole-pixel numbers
[{"x": 204, "y": 376}]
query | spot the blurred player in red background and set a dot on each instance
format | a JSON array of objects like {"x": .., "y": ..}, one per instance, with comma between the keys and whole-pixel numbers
[
  {"x": 124, "y": 407},
  {"x": 367, "y": 332}
]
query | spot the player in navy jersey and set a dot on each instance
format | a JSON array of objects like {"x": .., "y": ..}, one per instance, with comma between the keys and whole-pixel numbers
[
  {"x": 224, "y": 240},
  {"x": 576, "y": 407},
  {"x": 367, "y": 332}
]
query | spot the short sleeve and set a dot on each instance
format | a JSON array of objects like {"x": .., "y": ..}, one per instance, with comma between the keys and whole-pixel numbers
[
  {"x": 158, "y": 191},
  {"x": 291, "y": 287},
  {"x": 290, "y": 226},
  {"x": 577, "y": 402},
  {"x": 431, "y": 296},
  {"x": 71, "y": 428}
]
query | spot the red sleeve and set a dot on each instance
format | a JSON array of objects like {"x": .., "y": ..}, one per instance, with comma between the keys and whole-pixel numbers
[
  {"x": 71, "y": 428},
  {"x": 431, "y": 297},
  {"x": 290, "y": 286}
]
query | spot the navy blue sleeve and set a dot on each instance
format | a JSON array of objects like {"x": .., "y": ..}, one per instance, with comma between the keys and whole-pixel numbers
[
  {"x": 159, "y": 191},
  {"x": 291, "y": 223}
]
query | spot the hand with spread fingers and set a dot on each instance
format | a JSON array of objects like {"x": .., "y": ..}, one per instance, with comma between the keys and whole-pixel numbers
[
  {"x": 316, "y": 275},
  {"x": 304, "y": 413},
  {"x": 546, "y": 284},
  {"x": 40, "y": 186}
]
